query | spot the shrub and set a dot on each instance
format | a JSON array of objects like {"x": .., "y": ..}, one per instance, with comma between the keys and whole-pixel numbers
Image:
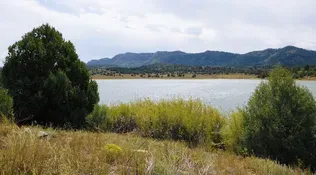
[
  {"x": 233, "y": 131},
  {"x": 6, "y": 104},
  {"x": 98, "y": 118},
  {"x": 1, "y": 77},
  {"x": 112, "y": 151},
  {"x": 280, "y": 121},
  {"x": 47, "y": 81},
  {"x": 191, "y": 121}
]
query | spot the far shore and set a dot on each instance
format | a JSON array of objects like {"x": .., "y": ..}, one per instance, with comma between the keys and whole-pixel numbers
[{"x": 187, "y": 76}]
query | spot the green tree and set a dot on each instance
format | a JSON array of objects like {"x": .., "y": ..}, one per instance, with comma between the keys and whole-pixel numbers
[
  {"x": 280, "y": 121},
  {"x": 1, "y": 77},
  {"x": 6, "y": 104},
  {"x": 306, "y": 67},
  {"x": 47, "y": 81}
]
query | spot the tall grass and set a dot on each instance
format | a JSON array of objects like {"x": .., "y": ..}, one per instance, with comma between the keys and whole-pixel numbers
[
  {"x": 177, "y": 119},
  {"x": 81, "y": 152}
]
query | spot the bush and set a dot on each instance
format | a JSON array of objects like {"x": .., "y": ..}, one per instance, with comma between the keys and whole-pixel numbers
[
  {"x": 233, "y": 131},
  {"x": 177, "y": 119},
  {"x": 112, "y": 152},
  {"x": 47, "y": 81},
  {"x": 98, "y": 118},
  {"x": 280, "y": 121},
  {"x": 6, "y": 104},
  {"x": 1, "y": 77}
]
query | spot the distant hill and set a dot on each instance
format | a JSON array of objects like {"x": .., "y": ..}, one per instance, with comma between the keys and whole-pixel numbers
[
  {"x": 287, "y": 56},
  {"x": 100, "y": 62}
]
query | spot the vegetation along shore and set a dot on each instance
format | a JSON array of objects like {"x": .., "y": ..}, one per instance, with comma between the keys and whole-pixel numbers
[
  {"x": 184, "y": 76},
  {"x": 51, "y": 121},
  {"x": 166, "y": 71}
]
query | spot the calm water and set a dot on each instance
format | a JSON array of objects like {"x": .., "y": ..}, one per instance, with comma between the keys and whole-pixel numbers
[{"x": 224, "y": 94}]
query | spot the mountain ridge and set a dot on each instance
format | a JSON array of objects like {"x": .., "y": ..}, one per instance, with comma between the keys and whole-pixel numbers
[{"x": 287, "y": 56}]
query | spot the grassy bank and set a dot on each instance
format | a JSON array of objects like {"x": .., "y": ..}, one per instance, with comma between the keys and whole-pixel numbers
[{"x": 22, "y": 151}]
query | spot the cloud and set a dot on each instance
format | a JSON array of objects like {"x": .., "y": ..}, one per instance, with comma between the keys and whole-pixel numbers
[
  {"x": 101, "y": 28},
  {"x": 194, "y": 31},
  {"x": 155, "y": 28}
]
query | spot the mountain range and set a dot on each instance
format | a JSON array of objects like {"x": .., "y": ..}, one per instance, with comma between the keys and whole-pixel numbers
[{"x": 287, "y": 56}]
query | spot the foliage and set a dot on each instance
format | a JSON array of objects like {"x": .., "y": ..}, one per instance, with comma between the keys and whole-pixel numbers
[
  {"x": 112, "y": 151},
  {"x": 177, "y": 119},
  {"x": 280, "y": 121},
  {"x": 98, "y": 117},
  {"x": 233, "y": 131},
  {"x": 307, "y": 71},
  {"x": 113, "y": 148},
  {"x": 47, "y": 81},
  {"x": 180, "y": 70},
  {"x": 6, "y": 104},
  {"x": 1, "y": 77}
]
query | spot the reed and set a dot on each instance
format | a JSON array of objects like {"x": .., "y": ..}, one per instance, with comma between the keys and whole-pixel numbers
[{"x": 177, "y": 119}]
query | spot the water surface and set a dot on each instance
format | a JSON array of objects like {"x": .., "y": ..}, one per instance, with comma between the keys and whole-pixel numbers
[{"x": 225, "y": 94}]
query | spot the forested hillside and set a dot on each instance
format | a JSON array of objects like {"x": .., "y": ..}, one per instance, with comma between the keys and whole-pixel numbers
[{"x": 287, "y": 56}]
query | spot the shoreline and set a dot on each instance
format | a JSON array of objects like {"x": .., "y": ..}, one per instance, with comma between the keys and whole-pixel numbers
[{"x": 189, "y": 77}]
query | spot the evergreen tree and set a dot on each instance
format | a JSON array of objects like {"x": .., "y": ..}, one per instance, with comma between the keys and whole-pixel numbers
[{"x": 47, "y": 81}]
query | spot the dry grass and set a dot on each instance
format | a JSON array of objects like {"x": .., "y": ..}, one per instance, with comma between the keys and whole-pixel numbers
[
  {"x": 80, "y": 152},
  {"x": 309, "y": 78}
]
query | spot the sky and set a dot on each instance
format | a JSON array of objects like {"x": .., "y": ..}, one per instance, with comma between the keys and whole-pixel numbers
[{"x": 104, "y": 28}]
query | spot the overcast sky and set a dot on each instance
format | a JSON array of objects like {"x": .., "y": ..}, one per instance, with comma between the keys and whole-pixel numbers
[{"x": 104, "y": 28}]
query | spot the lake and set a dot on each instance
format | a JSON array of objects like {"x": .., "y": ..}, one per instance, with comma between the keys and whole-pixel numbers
[{"x": 222, "y": 93}]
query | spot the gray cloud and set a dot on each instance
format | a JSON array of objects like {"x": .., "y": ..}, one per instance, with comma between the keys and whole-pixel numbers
[
  {"x": 101, "y": 28},
  {"x": 154, "y": 28},
  {"x": 194, "y": 30}
]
